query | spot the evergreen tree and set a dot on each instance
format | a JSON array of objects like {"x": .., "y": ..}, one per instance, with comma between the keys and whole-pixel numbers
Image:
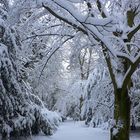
[{"x": 20, "y": 111}]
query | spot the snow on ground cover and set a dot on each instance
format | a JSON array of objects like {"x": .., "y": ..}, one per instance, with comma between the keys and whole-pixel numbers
[{"x": 78, "y": 131}]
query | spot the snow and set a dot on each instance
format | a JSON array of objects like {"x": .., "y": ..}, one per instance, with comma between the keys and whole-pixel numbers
[
  {"x": 76, "y": 131},
  {"x": 115, "y": 131},
  {"x": 71, "y": 130}
]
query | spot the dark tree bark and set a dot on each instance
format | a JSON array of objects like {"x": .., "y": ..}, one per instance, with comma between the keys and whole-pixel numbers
[{"x": 120, "y": 131}]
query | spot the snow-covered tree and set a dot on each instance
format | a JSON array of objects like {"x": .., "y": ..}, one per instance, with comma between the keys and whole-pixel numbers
[
  {"x": 113, "y": 27},
  {"x": 21, "y": 112},
  {"x": 31, "y": 34},
  {"x": 98, "y": 98}
]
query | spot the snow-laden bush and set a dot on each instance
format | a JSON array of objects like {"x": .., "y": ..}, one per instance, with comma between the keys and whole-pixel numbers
[{"x": 21, "y": 113}]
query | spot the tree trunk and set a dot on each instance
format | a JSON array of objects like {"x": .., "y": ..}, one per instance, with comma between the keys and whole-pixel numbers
[{"x": 121, "y": 128}]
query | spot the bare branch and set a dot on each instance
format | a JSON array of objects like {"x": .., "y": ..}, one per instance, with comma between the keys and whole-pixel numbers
[
  {"x": 100, "y": 8},
  {"x": 64, "y": 19},
  {"x": 49, "y": 34},
  {"x": 129, "y": 72},
  {"x": 108, "y": 61},
  {"x": 133, "y": 32},
  {"x": 89, "y": 7},
  {"x": 52, "y": 55}
]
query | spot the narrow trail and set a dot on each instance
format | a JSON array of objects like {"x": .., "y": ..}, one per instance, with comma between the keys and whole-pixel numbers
[
  {"x": 71, "y": 130},
  {"x": 78, "y": 131}
]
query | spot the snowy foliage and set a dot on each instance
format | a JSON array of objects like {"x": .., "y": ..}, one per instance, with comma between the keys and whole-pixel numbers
[
  {"x": 135, "y": 97},
  {"x": 20, "y": 113},
  {"x": 79, "y": 57},
  {"x": 98, "y": 98}
]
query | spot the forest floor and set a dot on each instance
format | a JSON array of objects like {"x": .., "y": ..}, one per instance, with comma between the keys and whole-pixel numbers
[
  {"x": 71, "y": 130},
  {"x": 78, "y": 131}
]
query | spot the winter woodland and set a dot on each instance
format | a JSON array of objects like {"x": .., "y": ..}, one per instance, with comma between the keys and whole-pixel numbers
[{"x": 66, "y": 60}]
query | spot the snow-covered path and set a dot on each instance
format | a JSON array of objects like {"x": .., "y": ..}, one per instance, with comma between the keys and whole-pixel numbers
[{"x": 77, "y": 131}]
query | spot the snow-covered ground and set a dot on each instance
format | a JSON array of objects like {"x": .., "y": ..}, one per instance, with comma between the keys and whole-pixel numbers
[{"x": 78, "y": 131}]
